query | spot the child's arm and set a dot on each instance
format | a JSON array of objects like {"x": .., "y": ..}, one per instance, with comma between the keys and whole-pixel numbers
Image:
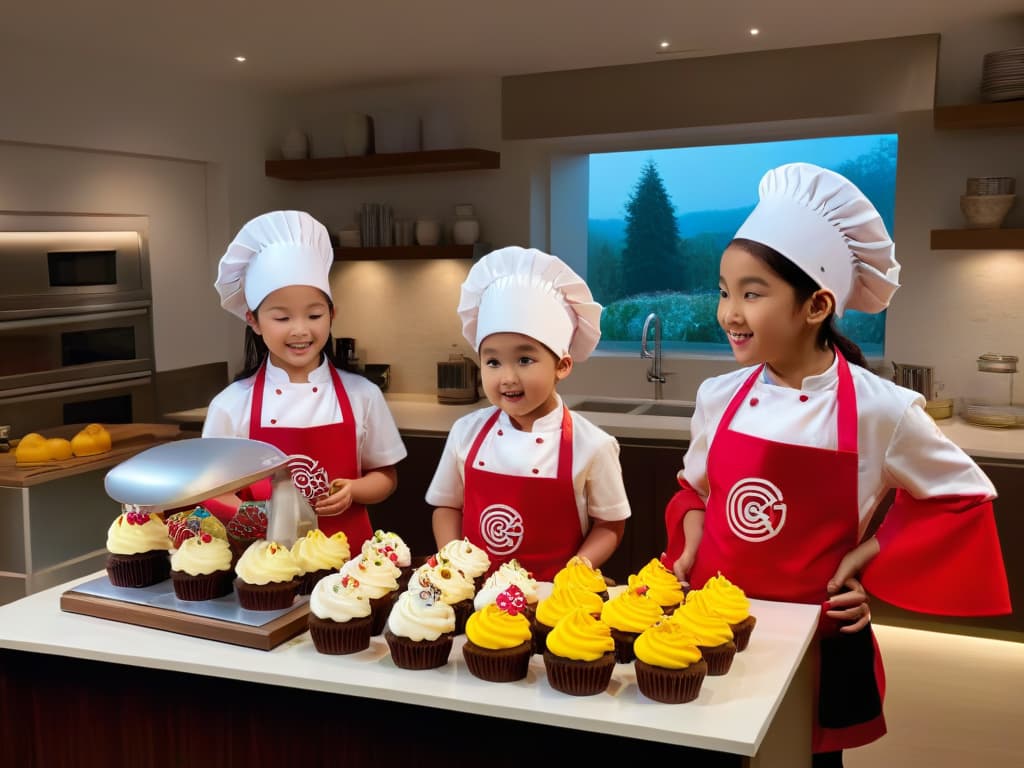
[
  {"x": 447, "y": 524},
  {"x": 372, "y": 488},
  {"x": 693, "y": 531},
  {"x": 602, "y": 541},
  {"x": 851, "y": 605}
]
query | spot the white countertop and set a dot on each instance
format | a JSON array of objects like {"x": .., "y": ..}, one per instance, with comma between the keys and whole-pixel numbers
[
  {"x": 422, "y": 413},
  {"x": 731, "y": 714}
]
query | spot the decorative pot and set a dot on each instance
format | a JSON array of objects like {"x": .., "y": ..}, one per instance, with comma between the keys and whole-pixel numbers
[
  {"x": 428, "y": 232},
  {"x": 986, "y": 211}
]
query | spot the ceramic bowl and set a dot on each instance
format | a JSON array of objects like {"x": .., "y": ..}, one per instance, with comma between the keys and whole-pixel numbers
[{"x": 986, "y": 211}]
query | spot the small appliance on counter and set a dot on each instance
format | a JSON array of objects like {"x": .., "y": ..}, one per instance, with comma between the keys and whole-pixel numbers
[
  {"x": 457, "y": 379},
  {"x": 379, "y": 374}
]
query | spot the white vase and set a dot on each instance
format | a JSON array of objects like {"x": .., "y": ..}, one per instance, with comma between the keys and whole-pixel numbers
[
  {"x": 466, "y": 231},
  {"x": 295, "y": 145},
  {"x": 355, "y": 133},
  {"x": 428, "y": 232}
]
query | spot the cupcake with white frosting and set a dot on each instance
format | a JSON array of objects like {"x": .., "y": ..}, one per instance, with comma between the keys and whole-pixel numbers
[
  {"x": 201, "y": 568},
  {"x": 339, "y": 615}
]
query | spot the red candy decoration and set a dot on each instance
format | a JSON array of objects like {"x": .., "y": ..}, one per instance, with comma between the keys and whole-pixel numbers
[{"x": 512, "y": 601}]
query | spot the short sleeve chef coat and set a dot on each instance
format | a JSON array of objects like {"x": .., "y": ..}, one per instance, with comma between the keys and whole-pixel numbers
[
  {"x": 311, "y": 404},
  {"x": 900, "y": 445},
  {"x": 596, "y": 472}
]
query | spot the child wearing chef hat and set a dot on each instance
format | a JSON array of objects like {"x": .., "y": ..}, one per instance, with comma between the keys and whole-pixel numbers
[
  {"x": 291, "y": 393},
  {"x": 527, "y": 478},
  {"x": 790, "y": 455}
]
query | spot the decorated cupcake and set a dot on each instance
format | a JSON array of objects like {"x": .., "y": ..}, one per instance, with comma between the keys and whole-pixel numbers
[
  {"x": 580, "y": 572},
  {"x": 669, "y": 667},
  {"x": 580, "y": 654},
  {"x": 191, "y": 522},
  {"x": 268, "y": 577},
  {"x": 378, "y": 578},
  {"x": 456, "y": 588},
  {"x": 509, "y": 573},
  {"x": 468, "y": 558},
  {"x": 137, "y": 545},
  {"x": 420, "y": 628},
  {"x": 662, "y": 585},
  {"x": 339, "y": 615},
  {"x": 249, "y": 524},
  {"x": 628, "y": 614},
  {"x": 712, "y": 633},
  {"x": 201, "y": 568},
  {"x": 721, "y": 597},
  {"x": 392, "y": 546},
  {"x": 499, "y": 643},
  {"x": 561, "y": 601},
  {"x": 319, "y": 555}
]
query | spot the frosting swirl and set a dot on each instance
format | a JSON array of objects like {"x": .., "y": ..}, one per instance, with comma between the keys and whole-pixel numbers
[
  {"x": 508, "y": 574},
  {"x": 133, "y": 533},
  {"x": 419, "y": 615},
  {"x": 578, "y": 635},
  {"x": 631, "y": 611},
  {"x": 466, "y": 556},
  {"x": 722, "y": 598},
  {"x": 565, "y": 599},
  {"x": 318, "y": 552},
  {"x": 376, "y": 574},
  {"x": 662, "y": 585},
  {"x": 390, "y": 542},
  {"x": 265, "y": 562},
  {"x": 491, "y": 627},
  {"x": 667, "y": 644},
  {"x": 707, "y": 630},
  {"x": 580, "y": 572},
  {"x": 202, "y": 554},
  {"x": 339, "y": 598},
  {"x": 455, "y": 586}
]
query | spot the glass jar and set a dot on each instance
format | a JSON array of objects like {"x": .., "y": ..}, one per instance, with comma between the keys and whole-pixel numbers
[{"x": 993, "y": 383}]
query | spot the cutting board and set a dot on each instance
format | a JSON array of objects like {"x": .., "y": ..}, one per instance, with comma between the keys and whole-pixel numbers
[{"x": 126, "y": 440}]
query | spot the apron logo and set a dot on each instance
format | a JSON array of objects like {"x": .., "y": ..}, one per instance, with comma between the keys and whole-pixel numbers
[
  {"x": 309, "y": 477},
  {"x": 501, "y": 528},
  {"x": 755, "y": 510}
]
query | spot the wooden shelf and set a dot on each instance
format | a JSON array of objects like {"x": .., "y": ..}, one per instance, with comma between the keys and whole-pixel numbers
[
  {"x": 977, "y": 239},
  {"x": 392, "y": 252},
  {"x": 391, "y": 164},
  {"x": 997, "y": 114}
]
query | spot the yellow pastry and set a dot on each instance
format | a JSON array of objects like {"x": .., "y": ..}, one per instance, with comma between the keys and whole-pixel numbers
[{"x": 92, "y": 440}]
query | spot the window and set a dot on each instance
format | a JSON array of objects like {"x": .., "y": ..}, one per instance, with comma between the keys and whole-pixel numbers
[{"x": 658, "y": 221}]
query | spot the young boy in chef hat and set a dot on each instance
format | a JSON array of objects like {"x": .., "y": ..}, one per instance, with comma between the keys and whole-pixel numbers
[
  {"x": 527, "y": 478},
  {"x": 791, "y": 455},
  {"x": 291, "y": 393}
]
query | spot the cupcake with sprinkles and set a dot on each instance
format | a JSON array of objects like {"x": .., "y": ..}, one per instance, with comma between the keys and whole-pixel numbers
[
  {"x": 339, "y": 616},
  {"x": 456, "y": 588},
  {"x": 378, "y": 578},
  {"x": 201, "y": 568},
  {"x": 137, "y": 547},
  {"x": 393, "y": 547},
  {"x": 268, "y": 577},
  {"x": 468, "y": 558},
  {"x": 508, "y": 574},
  {"x": 499, "y": 644}
]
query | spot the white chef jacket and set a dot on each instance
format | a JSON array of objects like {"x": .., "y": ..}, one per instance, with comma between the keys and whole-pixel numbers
[
  {"x": 311, "y": 404},
  {"x": 596, "y": 471},
  {"x": 899, "y": 444}
]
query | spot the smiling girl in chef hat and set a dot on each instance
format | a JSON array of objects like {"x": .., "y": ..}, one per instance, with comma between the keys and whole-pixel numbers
[
  {"x": 790, "y": 456},
  {"x": 527, "y": 478},
  {"x": 335, "y": 425}
]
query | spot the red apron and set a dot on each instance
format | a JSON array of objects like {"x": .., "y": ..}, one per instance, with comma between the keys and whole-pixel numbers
[
  {"x": 779, "y": 519},
  {"x": 532, "y": 519},
  {"x": 317, "y": 456}
]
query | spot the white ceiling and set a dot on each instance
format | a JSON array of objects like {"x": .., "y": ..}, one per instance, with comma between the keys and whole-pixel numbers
[{"x": 305, "y": 44}]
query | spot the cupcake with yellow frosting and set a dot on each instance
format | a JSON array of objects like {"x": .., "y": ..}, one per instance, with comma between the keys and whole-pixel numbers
[
  {"x": 499, "y": 643},
  {"x": 339, "y": 615},
  {"x": 561, "y": 601},
  {"x": 319, "y": 555},
  {"x": 268, "y": 577},
  {"x": 721, "y": 597},
  {"x": 662, "y": 585},
  {"x": 712, "y": 634},
  {"x": 583, "y": 574},
  {"x": 201, "y": 568},
  {"x": 137, "y": 546},
  {"x": 378, "y": 578},
  {"x": 628, "y": 614},
  {"x": 420, "y": 628},
  {"x": 580, "y": 654},
  {"x": 669, "y": 666}
]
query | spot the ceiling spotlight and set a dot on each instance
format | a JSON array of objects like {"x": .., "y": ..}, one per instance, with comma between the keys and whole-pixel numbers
[
  {"x": 755, "y": 31},
  {"x": 663, "y": 44},
  {"x": 239, "y": 58}
]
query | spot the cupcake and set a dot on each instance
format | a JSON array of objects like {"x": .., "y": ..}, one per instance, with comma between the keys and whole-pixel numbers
[
  {"x": 392, "y": 546},
  {"x": 712, "y": 633},
  {"x": 319, "y": 555},
  {"x": 499, "y": 644},
  {"x": 580, "y": 572},
  {"x": 268, "y": 577},
  {"x": 137, "y": 543},
  {"x": 721, "y": 597},
  {"x": 378, "y": 578},
  {"x": 249, "y": 524},
  {"x": 201, "y": 568},
  {"x": 468, "y": 558},
  {"x": 561, "y": 601},
  {"x": 669, "y": 667},
  {"x": 628, "y": 614},
  {"x": 191, "y": 522},
  {"x": 420, "y": 628},
  {"x": 662, "y": 585},
  {"x": 580, "y": 654},
  {"x": 509, "y": 573},
  {"x": 339, "y": 615},
  {"x": 456, "y": 588}
]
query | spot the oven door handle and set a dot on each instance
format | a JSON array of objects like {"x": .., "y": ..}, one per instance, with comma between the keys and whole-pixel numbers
[
  {"x": 50, "y": 321},
  {"x": 82, "y": 387}
]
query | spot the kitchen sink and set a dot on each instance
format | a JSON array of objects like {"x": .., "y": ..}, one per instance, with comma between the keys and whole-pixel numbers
[
  {"x": 636, "y": 407},
  {"x": 667, "y": 409},
  {"x": 608, "y": 406}
]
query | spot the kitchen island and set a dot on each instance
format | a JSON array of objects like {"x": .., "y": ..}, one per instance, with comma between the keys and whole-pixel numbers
[{"x": 116, "y": 692}]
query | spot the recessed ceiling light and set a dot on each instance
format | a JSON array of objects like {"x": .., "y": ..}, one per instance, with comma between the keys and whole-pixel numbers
[
  {"x": 755, "y": 31},
  {"x": 239, "y": 58},
  {"x": 663, "y": 44}
]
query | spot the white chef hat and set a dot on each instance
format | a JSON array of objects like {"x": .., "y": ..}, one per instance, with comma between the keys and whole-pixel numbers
[
  {"x": 272, "y": 251},
  {"x": 821, "y": 222},
  {"x": 523, "y": 290}
]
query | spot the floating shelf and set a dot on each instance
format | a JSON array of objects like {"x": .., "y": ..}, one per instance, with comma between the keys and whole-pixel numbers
[
  {"x": 996, "y": 114},
  {"x": 393, "y": 252},
  {"x": 390, "y": 164},
  {"x": 977, "y": 239}
]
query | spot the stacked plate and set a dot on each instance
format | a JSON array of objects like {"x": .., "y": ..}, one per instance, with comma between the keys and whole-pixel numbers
[{"x": 1002, "y": 75}]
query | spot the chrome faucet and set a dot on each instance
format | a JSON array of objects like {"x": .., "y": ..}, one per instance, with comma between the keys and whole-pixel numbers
[{"x": 654, "y": 373}]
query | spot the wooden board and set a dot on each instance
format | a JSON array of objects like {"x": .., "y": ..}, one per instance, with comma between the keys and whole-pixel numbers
[{"x": 263, "y": 638}]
